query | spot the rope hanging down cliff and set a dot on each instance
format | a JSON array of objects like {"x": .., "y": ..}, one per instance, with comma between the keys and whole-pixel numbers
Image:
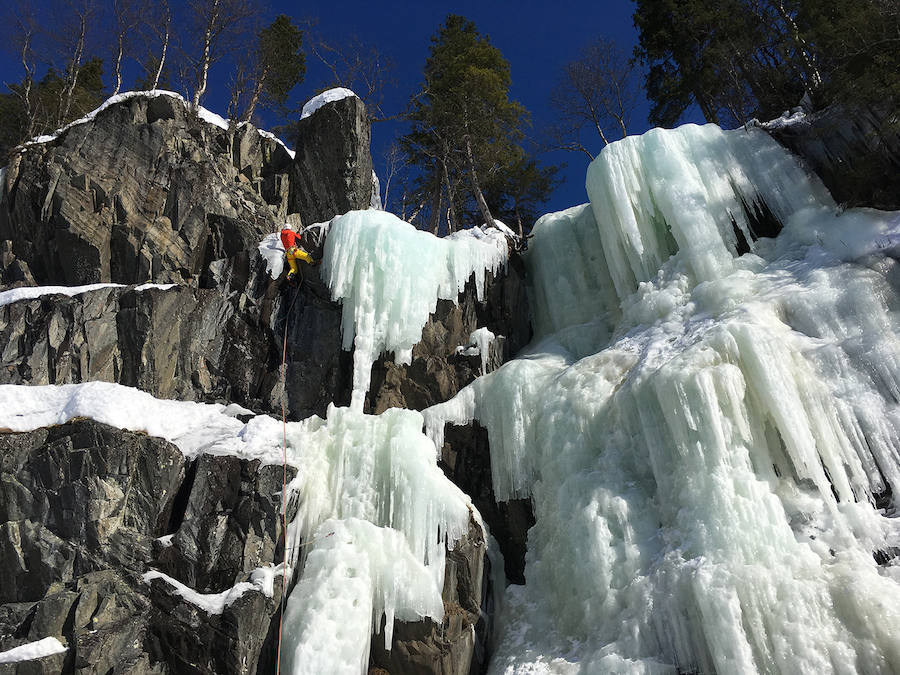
[{"x": 284, "y": 471}]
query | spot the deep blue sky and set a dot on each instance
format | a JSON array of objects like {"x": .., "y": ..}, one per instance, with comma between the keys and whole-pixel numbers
[{"x": 537, "y": 38}]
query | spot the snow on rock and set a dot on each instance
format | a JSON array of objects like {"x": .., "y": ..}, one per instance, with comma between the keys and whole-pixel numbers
[
  {"x": 206, "y": 115},
  {"x": 112, "y": 100},
  {"x": 389, "y": 277},
  {"x": 374, "y": 203},
  {"x": 33, "y": 650},
  {"x": 193, "y": 427},
  {"x": 703, "y": 434},
  {"x": 328, "y": 96},
  {"x": 372, "y": 480},
  {"x": 32, "y": 292},
  {"x": 273, "y": 137},
  {"x": 211, "y": 603},
  {"x": 272, "y": 251}
]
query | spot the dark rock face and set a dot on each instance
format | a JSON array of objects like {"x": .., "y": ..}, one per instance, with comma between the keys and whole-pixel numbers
[
  {"x": 226, "y": 528},
  {"x": 856, "y": 153},
  {"x": 145, "y": 191},
  {"x": 83, "y": 505},
  {"x": 202, "y": 344},
  {"x": 458, "y": 645},
  {"x": 466, "y": 459},
  {"x": 80, "y": 498},
  {"x": 332, "y": 170}
]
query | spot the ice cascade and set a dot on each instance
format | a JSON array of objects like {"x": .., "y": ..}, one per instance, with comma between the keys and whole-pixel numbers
[
  {"x": 389, "y": 277},
  {"x": 707, "y": 421}
]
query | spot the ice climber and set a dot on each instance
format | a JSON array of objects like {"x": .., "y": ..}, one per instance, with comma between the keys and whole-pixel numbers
[{"x": 293, "y": 250}]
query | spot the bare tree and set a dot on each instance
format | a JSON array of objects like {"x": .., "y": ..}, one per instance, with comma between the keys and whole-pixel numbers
[
  {"x": 163, "y": 31},
  {"x": 358, "y": 66},
  {"x": 126, "y": 19},
  {"x": 599, "y": 89},
  {"x": 79, "y": 13},
  {"x": 25, "y": 30},
  {"x": 217, "y": 22}
]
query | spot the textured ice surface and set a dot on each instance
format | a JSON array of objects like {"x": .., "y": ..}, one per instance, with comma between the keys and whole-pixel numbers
[
  {"x": 389, "y": 277},
  {"x": 703, "y": 445}
]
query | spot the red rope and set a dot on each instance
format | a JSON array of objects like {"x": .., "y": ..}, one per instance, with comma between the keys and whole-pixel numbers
[{"x": 284, "y": 474}]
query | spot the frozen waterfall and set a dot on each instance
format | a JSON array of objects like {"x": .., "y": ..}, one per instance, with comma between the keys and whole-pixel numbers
[
  {"x": 707, "y": 424},
  {"x": 707, "y": 421}
]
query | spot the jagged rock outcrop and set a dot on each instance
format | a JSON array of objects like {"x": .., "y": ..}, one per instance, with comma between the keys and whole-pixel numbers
[
  {"x": 466, "y": 459},
  {"x": 332, "y": 170},
  {"x": 187, "y": 343},
  {"x": 856, "y": 153},
  {"x": 83, "y": 506},
  {"x": 143, "y": 191}
]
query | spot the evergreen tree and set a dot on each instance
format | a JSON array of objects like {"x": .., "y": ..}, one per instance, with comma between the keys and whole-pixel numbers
[
  {"x": 278, "y": 66},
  {"x": 45, "y": 95},
  {"x": 737, "y": 59},
  {"x": 466, "y": 132}
]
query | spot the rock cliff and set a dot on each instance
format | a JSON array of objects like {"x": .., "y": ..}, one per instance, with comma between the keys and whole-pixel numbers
[{"x": 147, "y": 191}]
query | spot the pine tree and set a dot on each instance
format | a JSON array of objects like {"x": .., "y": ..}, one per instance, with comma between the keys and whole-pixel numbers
[
  {"x": 278, "y": 65},
  {"x": 466, "y": 132},
  {"x": 737, "y": 59}
]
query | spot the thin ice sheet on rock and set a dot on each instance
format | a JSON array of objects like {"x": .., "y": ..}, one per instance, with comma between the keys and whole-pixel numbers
[
  {"x": 389, "y": 277},
  {"x": 705, "y": 452}
]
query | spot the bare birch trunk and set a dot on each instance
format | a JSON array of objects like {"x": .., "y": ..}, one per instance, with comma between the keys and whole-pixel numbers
[
  {"x": 257, "y": 92},
  {"x": 165, "y": 45},
  {"x": 72, "y": 76},
  {"x": 118, "y": 66},
  {"x": 476, "y": 188},
  {"x": 205, "y": 59}
]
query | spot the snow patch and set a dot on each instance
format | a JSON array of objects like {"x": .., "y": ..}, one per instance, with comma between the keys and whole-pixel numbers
[
  {"x": 328, "y": 96},
  {"x": 272, "y": 251},
  {"x": 33, "y": 650},
  {"x": 211, "y": 603},
  {"x": 32, "y": 292},
  {"x": 112, "y": 100}
]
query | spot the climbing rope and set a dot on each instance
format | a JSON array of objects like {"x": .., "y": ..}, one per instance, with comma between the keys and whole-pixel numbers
[{"x": 284, "y": 469}]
